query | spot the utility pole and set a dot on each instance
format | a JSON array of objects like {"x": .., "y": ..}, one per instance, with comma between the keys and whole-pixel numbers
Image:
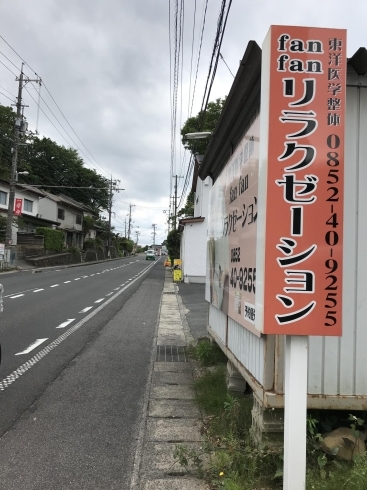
[
  {"x": 112, "y": 186},
  {"x": 175, "y": 202},
  {"x": 175, "y": 205},
  {"x": 125, "y": 229},
  {"x": 19, "y": 127},
  {"x": 109, "y": 219},
  {"x": 137, "y": 237},
  {"x": 154, "y": 233},
  {"x": 129, "y": 228}
]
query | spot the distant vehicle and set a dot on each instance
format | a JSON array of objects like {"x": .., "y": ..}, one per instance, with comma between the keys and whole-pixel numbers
[
  {"x": 150, "y": 255},
  {"x": 164, "y": 252}
]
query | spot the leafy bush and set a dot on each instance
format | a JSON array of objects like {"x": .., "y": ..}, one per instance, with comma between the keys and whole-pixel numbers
[
  {"x": 173, "y": 244},
  {"x": 54, "y": 239},
  {"x": 95, "y": 244}
]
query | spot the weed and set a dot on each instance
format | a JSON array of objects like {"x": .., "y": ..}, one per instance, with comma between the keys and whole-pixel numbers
[{"x": 207, "y": 353}]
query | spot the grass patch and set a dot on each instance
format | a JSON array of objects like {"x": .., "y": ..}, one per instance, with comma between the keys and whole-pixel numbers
[
  {"x": 207, "y": 353},
  {"x": 228, "y": 458}
]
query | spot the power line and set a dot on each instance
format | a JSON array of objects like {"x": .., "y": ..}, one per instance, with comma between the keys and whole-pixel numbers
[
  {"x": 10, "y": 61},
  {"x": 7, "y": 97},
  {"x": 58, "y": 109},
  {"x": 224, "y": 61},
  {"x": 199, "y": 54},
  {"x": 73, "y": 129},
  {"x": 8, "y": 68}
]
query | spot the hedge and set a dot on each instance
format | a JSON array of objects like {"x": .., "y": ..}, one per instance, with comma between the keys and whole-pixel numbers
[{"x": 54, "y": 239}]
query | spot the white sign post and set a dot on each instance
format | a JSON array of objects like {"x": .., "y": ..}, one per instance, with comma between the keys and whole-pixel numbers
[{"x": 295, "y": 412}]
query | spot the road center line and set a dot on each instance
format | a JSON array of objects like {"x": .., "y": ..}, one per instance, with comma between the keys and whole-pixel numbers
[
  {"x": 37, "y": 290},
  {"x": 54, "y": 286},
  {"x": 77, "y": 279},
  {"x": 86, "y": 309},
  {"x": 31, "y": 347},
  {"x": 65, "y": 282},
  {"x": 65, "y": 324},
  {"x": 99, "y": 300},
  {"x": 16, "y": 296}
]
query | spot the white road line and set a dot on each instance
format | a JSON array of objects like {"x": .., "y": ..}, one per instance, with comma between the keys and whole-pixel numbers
[
  {"x": 17, "y": 373},
  {"x": 92, "y": 275},
  {"x": 99, "y": 300},
  {"x": 17, "y": 296},
  {"x": 116, "y": 289},
  {"x": 31, "y": 347},
  {"x": 84, "y": 277},
  {"x": 109, "y": 294},
  {"x": 77, "y": 279},
  {"x": 37, "y": 290},
  {"x": 54, "y": 286},
  {"x": 65, "y": 324},
  {"x": 98, "y": 272},
  {"x": 86, "y": 309},
  {"x": 65, "y": 282}
]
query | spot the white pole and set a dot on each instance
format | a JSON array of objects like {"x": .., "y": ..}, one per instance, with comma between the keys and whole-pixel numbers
[{"x": 295, "y": 412}]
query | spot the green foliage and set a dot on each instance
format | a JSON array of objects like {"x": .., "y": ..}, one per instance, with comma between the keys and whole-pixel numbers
[
  {"x": 228, "y": 459},
  {"x": 54, "y": 239},
  {"x": 188, "y": 210},
  {"x": 88, "y": 223},
  {"x": 93, "y": 244},
  {"x": 3, "y": 221},
  {"x": 207, "y": 353},
  {"x": 126, "y": 244},
  {"x": 7, "y": 120},
  {"x": 73, "y": 250},
  {"x": 173, "y": 244},
  {"x": 202, "y": 122},
  {"x": 51, "y": 164}
]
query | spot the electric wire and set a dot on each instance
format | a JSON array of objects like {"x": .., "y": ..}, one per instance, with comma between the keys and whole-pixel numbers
[
  {"x": 224, "y": 61},
  {"x": 54, "y": 103},
  {"x": 13, "y": 100},
  {"x": 10, "y": 61},
  {"x": 8, "y": 68}
]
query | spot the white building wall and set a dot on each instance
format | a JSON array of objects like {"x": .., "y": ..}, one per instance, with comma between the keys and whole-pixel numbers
[
  {"x": 201, "y": 206},
  {"x": 20, "y": 195},
  {"x": 248, "y": 348},
  {"x": 194, "y": 252},
  {"x": 48, "y": 209}
]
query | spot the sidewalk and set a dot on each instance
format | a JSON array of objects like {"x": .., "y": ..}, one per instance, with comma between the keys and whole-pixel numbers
[{"x": 171, "y": 416}]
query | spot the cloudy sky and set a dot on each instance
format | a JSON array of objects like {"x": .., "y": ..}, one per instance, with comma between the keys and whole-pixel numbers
[{"x": 107, "y": 65}]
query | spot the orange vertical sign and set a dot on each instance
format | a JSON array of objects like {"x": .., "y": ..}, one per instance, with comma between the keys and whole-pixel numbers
[
  {"x": 18, "y": 207},
  {"x": 305, "y": 71}
]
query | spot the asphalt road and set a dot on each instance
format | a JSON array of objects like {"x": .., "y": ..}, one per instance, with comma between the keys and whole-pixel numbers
[{"x": 77, "y": 344}]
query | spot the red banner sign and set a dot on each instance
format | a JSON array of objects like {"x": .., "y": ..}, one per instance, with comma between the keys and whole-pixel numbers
[
  {"x": 18, "y": 207},
  {"x": 304, "y": 72}
]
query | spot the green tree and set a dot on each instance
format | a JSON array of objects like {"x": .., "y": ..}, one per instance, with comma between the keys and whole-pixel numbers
[
  {"x": 204, "y": 121},
  {"x": 173, "y": 244},
  {"x": 51, "y": 164},
  {"x": 188, "y": 209}
]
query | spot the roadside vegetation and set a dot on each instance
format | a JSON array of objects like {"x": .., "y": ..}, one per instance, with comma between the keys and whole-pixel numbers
[{"x": 228, "y": 458}]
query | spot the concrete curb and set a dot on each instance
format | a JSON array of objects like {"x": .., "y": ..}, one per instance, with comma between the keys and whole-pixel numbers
[{"x": 171, "y": 416}]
